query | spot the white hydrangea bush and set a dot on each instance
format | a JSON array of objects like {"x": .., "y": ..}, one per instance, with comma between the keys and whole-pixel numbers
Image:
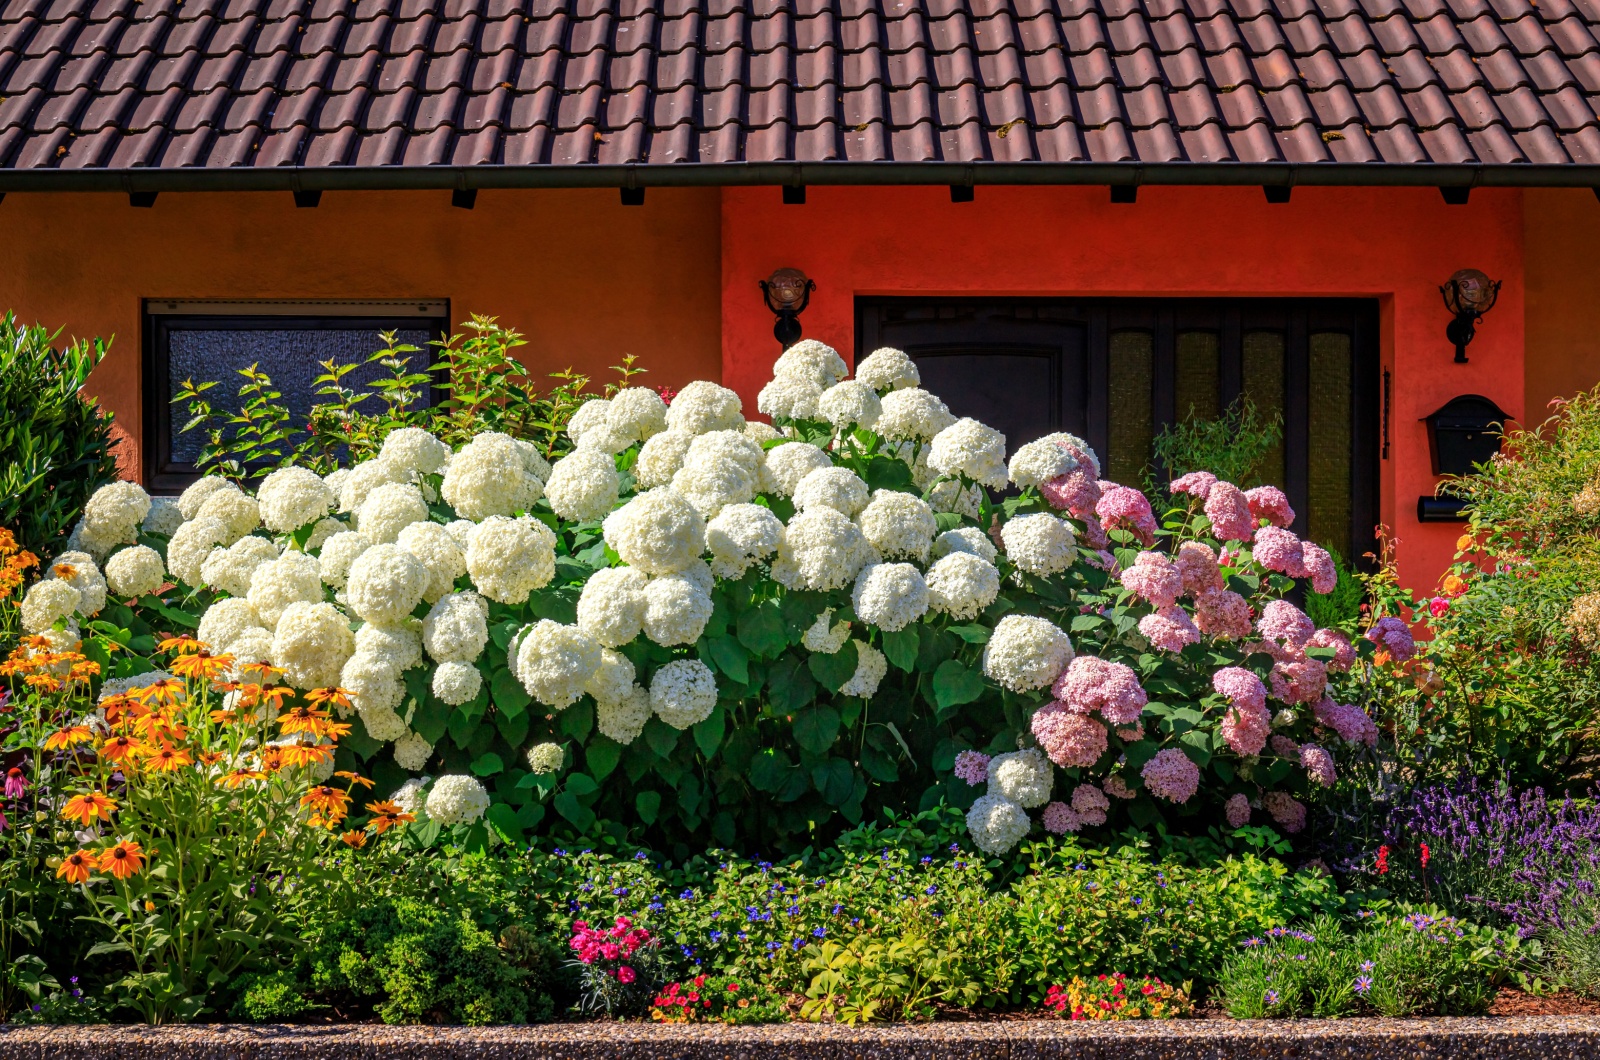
[{"x": 721, "y": 627}]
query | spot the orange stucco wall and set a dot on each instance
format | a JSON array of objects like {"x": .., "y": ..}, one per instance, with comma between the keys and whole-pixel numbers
[
  {"x": 585, "y": 279},
  {"x": 1394, "y": 244},
  {"x": 1562, "y": 233}
]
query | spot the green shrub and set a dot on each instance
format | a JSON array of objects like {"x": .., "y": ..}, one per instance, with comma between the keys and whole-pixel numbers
[
  {"x": 270, "y": 997},
  {"x": 57, "y": 443},
  {"x": 1340, "y": 609},
  {"x": 1234, "y": 446}
]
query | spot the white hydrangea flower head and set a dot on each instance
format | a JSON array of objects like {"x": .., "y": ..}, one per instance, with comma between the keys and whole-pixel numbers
[
  {"x": 623, "y": 720},
  {"x": 997, "y": 824},
  {"x": 383, "y": 724},
  {"x": 78, "y": 570},
  {"x": 411, "y": 795},
  {"x": 47, "y": 601},
  {"x": 492, "y": 475},
  {"x": 703, "y": 406},
  {"x": 849, "y": 405},
  {"x": 761, "y": 433},
  {"x": 456, "y": 799},
  {"x": 838, "y": 488},
  {"x": 533, "y": 462},
  {"x": 164, "y": 517},
  {"x": 871, "y": 665},
  {"x": 554, "y": 662},
  {"x": 890, "y": 596},
  {"x": 336, "y": 480},
  {"x": 116, "y": 686},
  {"x": 614, "y": 679},
  {"x": 113, "y": 513},
  {"x": 720, "y": 468},
  {"x": 965, "y": 539},
  {"x": 411, "y": 751},
  {"x": 253, "y": 647},
  {"x": 1025, "y": 777},
  {"x": 637, "y": 413},
  {"x": 135, "y": 571},
  {"x": 813, "y": 361},
  {"x": 970, "y": 448},
  {"x": 401, "y": 645},
  {"x": 899, "y": 525},
  {"x": 375, "y": 685},
  {"x": 583, "y": 485},
  {"x": 658, "y": 531},
  {"x": 739, "y": 535},
  {"x": 961, "y": 585},
  {"x": 1039, "y": 543},
  {"x": 544, "y": 758},
  {"x": 291, "y": 578},
  {"x": 676, "y": 610},
  {"x": 386, "y": 584},
  {"x": 191, "y": 544},
  {"x": 414, "y": 449},
  {"x": 338, "y": 552},
  {"x": 457, "y": 628},
  {"x": 436, "y": 550},
  {"x": 661, "y": 457},
  {"x": 238, "y": 513},
  {"x": 951, "y": 496},
  {"x": 510, "y": 558},
  {"x": 823, "y": 638},
  {"x": 1046, "y": 458},
  {"x": 790, "y": 398},
  {"x": 912, "y": 415},
  {"x": 456, "y": 683},
  {"x": 225, "y": 621},
  {"x": 80, "y": 540},
  {"x": 887, "y": 369},
  {"x": 461, "y": 532},
  {"x": 588, "y": 418},
  {"x": 389, "y": 509},
  {"x": 683, "y": 693},
  {"x": 612, "y": 604},
  {"x": 291, "y": 497},
  {"x": 789, "y": 463},
  {"x": 322, "y": 531},
  {"x": 821, "y": 550},
  {"x": 312, "y": 643},
  {"x": 361, "y": 480},
  {"x": 230, "y": 569},
  {"x": 190, "y": 499},
  {"x": 1026, "y": 652}
]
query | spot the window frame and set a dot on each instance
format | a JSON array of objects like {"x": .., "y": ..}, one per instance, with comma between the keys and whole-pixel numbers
[{"x": 161, "y": 316}]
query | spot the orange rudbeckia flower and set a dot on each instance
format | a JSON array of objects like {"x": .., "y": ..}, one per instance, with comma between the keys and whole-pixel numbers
[
  {"x": 354, "y": 838},
  {"x": 326, "y": 800},
  {"x": 167, "y": 692},
  {"x": 353, "y": 778},
  {"x": 239, "y": 777},
  {"x": 76, "y": 866},
  {"x": 86, "y": 808},
  {"x": 387, "y": 815},
  {"x": 203, "y": 665},
  {"x": 123, "y": 860},
  {"x": 68, "y": 737},
  {"x": 300, "y": 719},
  {"x": 296, "y": 755},
  {"x": 167, "y": 758},
  {"x": 181, "y": 643},
  {"x": 332, "y": 697}
]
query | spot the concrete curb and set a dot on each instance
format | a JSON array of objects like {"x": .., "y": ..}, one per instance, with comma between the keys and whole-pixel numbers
[{"x": 1519, "y": 1038}]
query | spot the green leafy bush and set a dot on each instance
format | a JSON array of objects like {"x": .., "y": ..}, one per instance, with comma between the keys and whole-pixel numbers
[
  {"x": 1234, "y": 446},
  {"x": 57, "y": 443}
]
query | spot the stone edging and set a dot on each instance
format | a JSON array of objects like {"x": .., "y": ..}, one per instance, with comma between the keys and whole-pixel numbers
[{"x": 1519, "y": 1038}]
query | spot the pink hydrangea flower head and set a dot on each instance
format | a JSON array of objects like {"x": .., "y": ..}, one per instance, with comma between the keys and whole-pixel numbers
[
  {"x": 1345, "y": 656},
  {"x": 1131, "y": 733},
  {"x": 1092, "y": 684},
  {"x": 1283, "y": 623},
  {"x": 1393, "y": 636},
  {"x": 1229, "y": 511},
  {"x": 1090, "y": 803},
  {"x": 1318, "y": 765},
  {"x": 1155, "y": 578},
  {"x": 1237, "y": 810},
  {"x": 1349, "y": 721},
  {"x": 1245, "y": 728},
  {"x": 1269, "y": 503},
  {"x": 1195, "y": 484},
  {"x": 1127, "y": 508},
  {"x": 1116, "y": 787},
  {"x": 1243, "y": 688},
  {"x": 1287, "y": 810},
  {"x": 972, "y": 767},
  {"x": 1094, "y": 535},
  {"x": 1197, "y": 566},
  {"x": 1059, "y": 819},
  {"x": 1319, "y": 567},
  {"x": 1279, "y": 550},
  {"x": 1284, "y": 747},
  {"x": 1223, "y": 613},
  {"x": 1076, "y": 492},
  {"x": 1067, "y": 737},
  {"x": 1169, "y": 629},
  {"x": 1105, "y": 561},
  {"x": 1171, "y": 775},
  {"x": 1302, "y": 681}
]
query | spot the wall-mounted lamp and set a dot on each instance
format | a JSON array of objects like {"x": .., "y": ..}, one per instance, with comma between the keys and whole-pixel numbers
[
  {"x": 787, "y": 292},
  {"x": 1468, "y": 295}
]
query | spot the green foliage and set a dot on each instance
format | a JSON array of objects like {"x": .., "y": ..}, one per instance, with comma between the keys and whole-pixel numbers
[
  {"x": 1232, "y": 447},
  {"x": 1421, "y": 964},
  {"x": 270, "y": 997},
  {"x": 57, "y": 443}
]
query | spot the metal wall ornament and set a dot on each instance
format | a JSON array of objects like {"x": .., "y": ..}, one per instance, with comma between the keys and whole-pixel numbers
[
  {"x": 1468, "y": 295},
  {"x": 788, "y": 292}
]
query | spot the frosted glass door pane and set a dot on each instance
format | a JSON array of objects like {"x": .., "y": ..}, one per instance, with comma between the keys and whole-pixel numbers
[
  {"x": 1329, "y": 429},
  {"x": 1263, "y": 385},
  {"x": 1132, "y": 421},
  {"x": 1199, "y": 376}
]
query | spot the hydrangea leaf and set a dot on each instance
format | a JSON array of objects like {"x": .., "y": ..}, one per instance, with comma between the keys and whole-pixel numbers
[
  {"x": 972, "y": 633},
  {"x": 816, "y": 728},
  {"x": 901, "y": 648},
  {"x": 577, "y": 721},
  {"x": 513, "y": 730},
  {"x": 488, "y": 765},
  {"x": 955, "y": 684},
  {"x": 601, "y": 756},
  {"x": 508, "y": 693},
  {"x": 730, "y": 657},
  {"x": 708, "y": 734},
  {"x": 761, "y": 630},
  {"x": 660, "y": 737},
  {"x": 835, "y": 780},
  {"x": 568, "y": 806},
  {"x": 834, "y": 671},
  {"x": 648, "y": 805}
]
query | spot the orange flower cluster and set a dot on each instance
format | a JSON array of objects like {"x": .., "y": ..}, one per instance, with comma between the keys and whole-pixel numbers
[
  {"x": 122, "y": 860},
  {"x": 14, "y": 560},
  {"x": 44, "y": 669}
]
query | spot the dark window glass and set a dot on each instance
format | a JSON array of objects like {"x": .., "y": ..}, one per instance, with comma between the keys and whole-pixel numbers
[
  {"x": 1132, "y": 423},
  {"x": 1263, "y": 385},
  {"x": 1199, "y": 375},
  {"x": 1332, "y": 385}
]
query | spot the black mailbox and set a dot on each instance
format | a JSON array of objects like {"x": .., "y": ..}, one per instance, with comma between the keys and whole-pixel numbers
[{"x": 1464, "y": 433}]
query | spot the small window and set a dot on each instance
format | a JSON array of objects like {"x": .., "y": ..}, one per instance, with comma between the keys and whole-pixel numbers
[{"x": 289, "y": 341}]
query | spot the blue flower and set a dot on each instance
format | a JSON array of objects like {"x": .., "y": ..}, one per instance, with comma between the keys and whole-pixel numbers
[
  {"x": 1270, "y": 998},
  {"x": 1366, "y": 966},
  {"x": 1252, "y": 941},
  {"x": 932, "y": 889},
  {"x": 798, "y": 943},
  {"x": 715, "y": 913},
  {"x": 687, "y": 896},
  {"x": 820, "y": 932},
  {"x": 954, "y": 847},
  {"x": 793, "y": 910},
  {"x": 655, "y": 907},
  {"x": 837, "y": 909},
  {"x": 1363, "y": 984},
  {"x": 638, "y": 856},
  {"x": 560, "y": 853},
  {"x": 774, "y": 945},
  {"x": 927, "y": 860},
  {"x": 716, "y": 937},
  {"x": 620, "y": 892}
]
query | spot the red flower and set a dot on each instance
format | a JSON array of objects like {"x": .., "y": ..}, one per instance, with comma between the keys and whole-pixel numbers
[
  {"x": 1383, "y": 860},
  {"x": 1424, "y": 855}
]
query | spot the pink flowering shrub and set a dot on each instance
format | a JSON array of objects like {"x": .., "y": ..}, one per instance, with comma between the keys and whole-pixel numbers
[{"x": 615, "y": 965}]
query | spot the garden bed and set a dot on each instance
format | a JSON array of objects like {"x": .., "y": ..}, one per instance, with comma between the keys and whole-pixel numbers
[{"x": 1541, "y": 1037}]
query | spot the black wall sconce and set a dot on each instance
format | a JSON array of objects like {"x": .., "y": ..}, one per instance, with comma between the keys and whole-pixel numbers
[
  {"x": 1462, "y": 433},
  {"x": 1468, "y": 294},
  {"x": 788, "y": 292}
]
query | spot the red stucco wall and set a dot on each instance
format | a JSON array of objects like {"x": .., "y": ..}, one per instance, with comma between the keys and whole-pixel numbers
[{"x": 1394, "y": 244}]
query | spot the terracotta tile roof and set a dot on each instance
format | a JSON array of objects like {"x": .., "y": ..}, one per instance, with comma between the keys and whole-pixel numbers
[{"x": 120, "y": 85}]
